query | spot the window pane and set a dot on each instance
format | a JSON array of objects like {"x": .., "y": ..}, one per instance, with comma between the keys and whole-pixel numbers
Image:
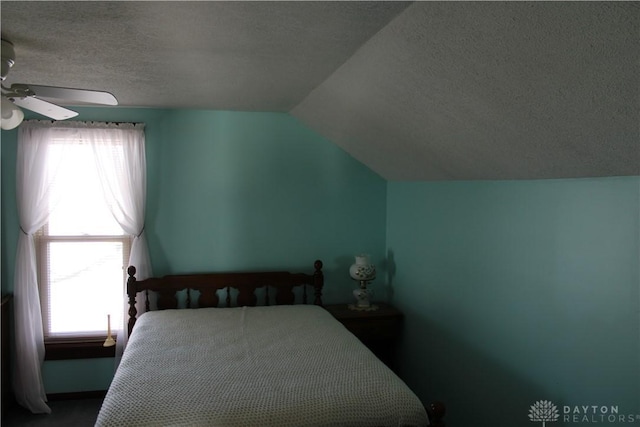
[
  {"x": 80, "y": 208},
  {"x": 86, "y": 283}
]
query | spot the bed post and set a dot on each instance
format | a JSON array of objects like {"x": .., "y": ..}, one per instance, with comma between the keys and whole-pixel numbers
[
  {"x": 436, "y": 411},
  {"x": 131, "y": 292},
  {"x": 318, "y": 282}
]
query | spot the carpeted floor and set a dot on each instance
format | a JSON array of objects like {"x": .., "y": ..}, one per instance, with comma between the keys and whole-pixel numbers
[{"x": 64, "y": 413}]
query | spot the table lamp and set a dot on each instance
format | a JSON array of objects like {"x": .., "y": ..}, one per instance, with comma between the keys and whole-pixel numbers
[{"x": 363, "y": 272}]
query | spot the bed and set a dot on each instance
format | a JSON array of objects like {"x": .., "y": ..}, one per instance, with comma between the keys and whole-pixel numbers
[{"x": 254, "y": 349}]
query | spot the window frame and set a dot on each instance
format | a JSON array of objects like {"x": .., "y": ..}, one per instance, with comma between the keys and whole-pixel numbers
[{"x": 78, "y": 346}]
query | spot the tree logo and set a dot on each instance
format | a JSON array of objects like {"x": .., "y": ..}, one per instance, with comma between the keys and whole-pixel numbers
[{"x": 545, "y": 411}]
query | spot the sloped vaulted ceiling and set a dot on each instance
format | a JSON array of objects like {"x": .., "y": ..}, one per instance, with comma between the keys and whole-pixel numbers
[
  {"x": 416, "y": 91},
  {"x": 490, "y": 90}
]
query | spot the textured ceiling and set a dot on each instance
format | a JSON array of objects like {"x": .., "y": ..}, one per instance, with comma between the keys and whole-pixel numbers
[
  {"x": 490, "y": 90},
  {"x": 422, "y": 91},
  {"x": 252, "y": 56}
]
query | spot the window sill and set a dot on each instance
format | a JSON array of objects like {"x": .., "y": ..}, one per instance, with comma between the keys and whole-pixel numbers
[{"x": 88, "y": 348}]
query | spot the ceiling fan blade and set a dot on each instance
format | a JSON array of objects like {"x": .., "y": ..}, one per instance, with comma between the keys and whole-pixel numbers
[
  {"x": 66, "y": 95},
  {"x": 45, "y": 108}
]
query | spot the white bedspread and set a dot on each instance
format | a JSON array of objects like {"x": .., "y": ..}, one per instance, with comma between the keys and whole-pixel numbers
[{"x": 258, "y": 366}]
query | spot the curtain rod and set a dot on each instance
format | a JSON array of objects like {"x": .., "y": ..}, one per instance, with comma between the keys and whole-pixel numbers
[
  {"x": 86, "y": 121},
  {"x": 109, "y": 123},
  {"x": 114, "y": 123}
]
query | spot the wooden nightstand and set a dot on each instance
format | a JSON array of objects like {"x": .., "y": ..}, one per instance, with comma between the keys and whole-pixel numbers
[{"x": 378, "y": 329}]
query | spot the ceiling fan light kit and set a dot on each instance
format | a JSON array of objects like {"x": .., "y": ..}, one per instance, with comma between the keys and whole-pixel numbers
[
  {"x": 32, "y": 97},
  {"x": 12, "y": 116}
]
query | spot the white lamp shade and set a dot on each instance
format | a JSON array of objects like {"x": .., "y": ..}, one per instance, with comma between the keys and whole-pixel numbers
[
  {"x": 12, "y": 116},
  {"x": 362, "y": 269}
]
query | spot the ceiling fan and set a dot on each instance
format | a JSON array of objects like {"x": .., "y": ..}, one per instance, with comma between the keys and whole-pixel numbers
[{"x": 37, "y": 98}]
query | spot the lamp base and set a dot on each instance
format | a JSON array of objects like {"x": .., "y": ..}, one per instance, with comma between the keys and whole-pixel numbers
[
  {"x": 356, "y": 307},
  {"x": 363, "y": 299}
]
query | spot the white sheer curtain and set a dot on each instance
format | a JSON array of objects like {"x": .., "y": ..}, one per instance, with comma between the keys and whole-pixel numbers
[
  {"x": 125, "y": 191},
  {"x": 114, "y": 144},
  {"x": 33, "y": 183}
]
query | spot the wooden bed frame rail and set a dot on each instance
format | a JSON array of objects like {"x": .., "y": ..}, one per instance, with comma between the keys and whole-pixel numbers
[{"x": 278, "y": 283}]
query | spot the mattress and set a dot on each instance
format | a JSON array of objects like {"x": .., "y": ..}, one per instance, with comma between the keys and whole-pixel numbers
[{"x": 253, "y": 366}]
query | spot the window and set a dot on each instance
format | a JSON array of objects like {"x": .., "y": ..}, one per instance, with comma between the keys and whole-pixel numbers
[
  {"x": 70, "y": 254},
  {"x": 82, "y": 250}
]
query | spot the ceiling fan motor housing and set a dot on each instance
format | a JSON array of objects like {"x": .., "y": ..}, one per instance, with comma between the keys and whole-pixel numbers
[{"x": 8, "y": 58}]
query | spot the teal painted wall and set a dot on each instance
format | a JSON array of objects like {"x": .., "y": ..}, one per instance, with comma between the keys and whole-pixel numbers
[
  {"x": 229, "y": 191},
  {"x": 516, "y": 292},
  {"x": 260, "y": 190}
]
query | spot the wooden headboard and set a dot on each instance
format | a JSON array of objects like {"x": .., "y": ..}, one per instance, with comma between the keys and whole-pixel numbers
[{"x": 278, "y": 286}]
